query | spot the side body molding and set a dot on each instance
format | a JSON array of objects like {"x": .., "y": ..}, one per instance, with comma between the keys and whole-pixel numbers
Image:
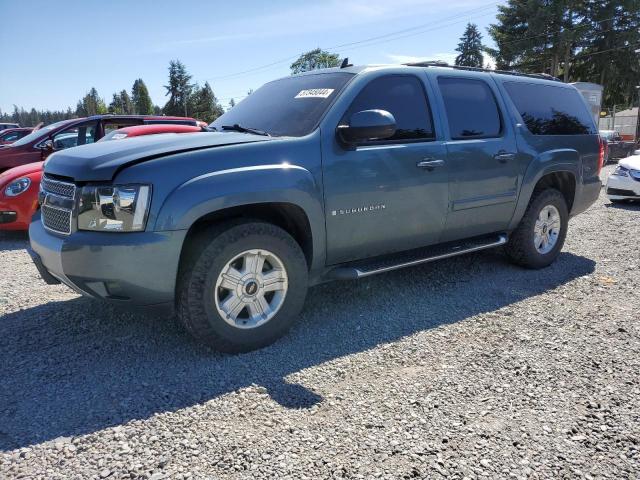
[{"x": 256, "y": 184}]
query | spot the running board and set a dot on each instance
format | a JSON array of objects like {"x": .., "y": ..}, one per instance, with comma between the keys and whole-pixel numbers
[{"x": 364, "y": 268}]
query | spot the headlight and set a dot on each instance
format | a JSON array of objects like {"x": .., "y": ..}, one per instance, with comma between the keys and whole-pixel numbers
[
  {"x": 621, "y": 171},
  {"x": 116, "y": 208},
  {"x": 17, "y": 187}
]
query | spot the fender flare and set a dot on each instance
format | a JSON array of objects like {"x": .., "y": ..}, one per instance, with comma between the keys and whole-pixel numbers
[{"x": 552, "y": 161}]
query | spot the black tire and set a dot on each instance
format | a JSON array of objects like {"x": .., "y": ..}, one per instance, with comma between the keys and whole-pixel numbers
[
  {"x": 196, "y": 309},
  {"x": 521, "y": 249}
]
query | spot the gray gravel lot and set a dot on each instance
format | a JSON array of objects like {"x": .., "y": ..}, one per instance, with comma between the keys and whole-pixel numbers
[{"x": 469, "y": 367}]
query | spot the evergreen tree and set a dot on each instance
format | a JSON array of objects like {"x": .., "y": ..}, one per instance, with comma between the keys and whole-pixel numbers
[
  {"x": 591, "y": 40},
  {"x": 315, "y": 59},
  {"x": 142, "y": 104},
  {"x": 91, "y": 104},
  {"x": 470, "y": 47},
  {"x": 179, "y": 89},
  {"x": 127, "y": 104},
  {"x": 537, "y": 35},
  {"x": 613, "y": 28},
  {"x": 204, "y": 105},
  {"x": 232, "y": 103}
]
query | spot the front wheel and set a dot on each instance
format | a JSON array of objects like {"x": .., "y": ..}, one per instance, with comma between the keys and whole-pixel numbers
[
  {"x": 539, "y": 237},
  {"x": 242, "y": 287}
]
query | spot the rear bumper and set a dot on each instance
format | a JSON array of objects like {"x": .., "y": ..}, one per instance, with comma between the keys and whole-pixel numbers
[
  {"x": 137, "y": 269},
  {"x": 586, "y": 195}
]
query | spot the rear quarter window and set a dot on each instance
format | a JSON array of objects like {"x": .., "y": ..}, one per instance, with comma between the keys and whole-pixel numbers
[{"x": 551, "y": 110}]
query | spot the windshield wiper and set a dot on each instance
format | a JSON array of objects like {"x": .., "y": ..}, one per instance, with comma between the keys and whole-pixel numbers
[{"x": 239, "y": 128}]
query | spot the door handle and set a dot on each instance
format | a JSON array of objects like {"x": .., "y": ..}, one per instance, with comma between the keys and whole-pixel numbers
[
  {"x": 504, "y": 157},
  {"x": 429, "y": 164}
]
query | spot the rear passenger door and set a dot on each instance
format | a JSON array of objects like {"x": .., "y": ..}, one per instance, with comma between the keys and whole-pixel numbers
[{"x": 481, "y": 154}]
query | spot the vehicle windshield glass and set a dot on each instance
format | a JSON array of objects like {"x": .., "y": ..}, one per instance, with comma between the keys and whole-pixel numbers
[
  {"x": 287, "y": 107},
  {"x": 42, "y": 132}
]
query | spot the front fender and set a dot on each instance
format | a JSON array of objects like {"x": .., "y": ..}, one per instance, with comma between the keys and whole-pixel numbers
[
  {"x": 214, "y": 191},
  {"x": 560, "y": 160}
]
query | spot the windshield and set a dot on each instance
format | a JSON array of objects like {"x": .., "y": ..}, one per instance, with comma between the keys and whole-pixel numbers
[
  {"x": 42, "y": 132},
  {"x": 290, "y": 106}
]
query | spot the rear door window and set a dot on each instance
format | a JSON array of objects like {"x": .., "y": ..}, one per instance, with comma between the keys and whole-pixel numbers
[
  {"x": 404, "y": 97},
  {"x": 471, "y": 108},
  {"x": 550, "y": 110}
]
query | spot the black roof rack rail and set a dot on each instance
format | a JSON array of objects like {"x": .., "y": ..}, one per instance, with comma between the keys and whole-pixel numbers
[{"x": 439, "y": 63}]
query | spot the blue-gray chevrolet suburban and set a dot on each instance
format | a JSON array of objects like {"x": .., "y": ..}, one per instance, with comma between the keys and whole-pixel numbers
[{"x": 332, "y": 174}]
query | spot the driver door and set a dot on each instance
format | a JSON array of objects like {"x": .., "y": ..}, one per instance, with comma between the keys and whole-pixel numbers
[{"x": 389, "y": 195}]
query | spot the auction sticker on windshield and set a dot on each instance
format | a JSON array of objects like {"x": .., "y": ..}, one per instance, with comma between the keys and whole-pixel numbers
[{"x": 315, "y": 93}]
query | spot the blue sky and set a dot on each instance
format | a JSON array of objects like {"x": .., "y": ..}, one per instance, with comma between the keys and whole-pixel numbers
[{"x": 58, "y": 50}]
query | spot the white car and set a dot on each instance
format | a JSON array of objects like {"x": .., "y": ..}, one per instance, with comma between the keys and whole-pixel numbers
[{"x": 624, "y": 181}]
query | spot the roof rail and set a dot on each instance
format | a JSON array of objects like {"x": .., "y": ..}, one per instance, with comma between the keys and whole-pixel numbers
[{"x": 439, "y": 63}]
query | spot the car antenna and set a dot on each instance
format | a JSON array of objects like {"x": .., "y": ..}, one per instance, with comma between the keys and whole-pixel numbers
[{"x": 345, "y": 63}]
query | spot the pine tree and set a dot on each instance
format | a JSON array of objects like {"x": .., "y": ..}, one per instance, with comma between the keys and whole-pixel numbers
[
  {"x": 470, "y": 47},
  {"x": 142, "y": 104},
  {"x": 204, "y": 104},
  {"x": 232, "y": 103},
  {"x": 179, "y": 89},
  {"x": 91, "y": 104},
  {"x": 315, "y": 59},
  {"x": 537, "y": 35},
  {"x": 613, "y": 28}
]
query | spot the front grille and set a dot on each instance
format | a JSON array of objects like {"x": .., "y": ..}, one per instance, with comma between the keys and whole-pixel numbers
[
  {"x": 56, "y": 217},
  {"x": 57, "y": 187}
]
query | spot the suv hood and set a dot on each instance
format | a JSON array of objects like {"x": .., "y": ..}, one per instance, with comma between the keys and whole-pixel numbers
[{"x": 102, "y": 160}]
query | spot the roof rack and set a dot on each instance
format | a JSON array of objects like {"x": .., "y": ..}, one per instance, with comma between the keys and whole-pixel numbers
[{"x": 439, "y": 63}]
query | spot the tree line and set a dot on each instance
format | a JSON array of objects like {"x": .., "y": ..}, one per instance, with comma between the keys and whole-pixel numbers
[{"x": 185, "y": 99}]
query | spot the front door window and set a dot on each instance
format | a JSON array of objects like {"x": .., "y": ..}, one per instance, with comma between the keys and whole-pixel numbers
[{"x": 81, "y": 134}]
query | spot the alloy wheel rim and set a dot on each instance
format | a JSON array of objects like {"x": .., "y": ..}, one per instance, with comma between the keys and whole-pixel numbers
[
  {"x": 251, "y": 289},
  {"x": 547, "y": 229}
]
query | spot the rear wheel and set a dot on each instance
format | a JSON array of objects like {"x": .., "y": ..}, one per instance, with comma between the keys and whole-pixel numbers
[
  {"x": 242, "y": 287},
  {"x": 537, "y": 241}
]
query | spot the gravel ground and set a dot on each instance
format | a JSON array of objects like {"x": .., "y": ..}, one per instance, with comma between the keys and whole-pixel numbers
[{"x": 469, "y": 367}]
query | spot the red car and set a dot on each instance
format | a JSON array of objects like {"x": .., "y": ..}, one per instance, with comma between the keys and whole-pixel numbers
[
  {"x": 19, "y": 186},
  {"x": 140, "y": 130},
  {"x": 10, "y": 135},
  {"x": 38, "y": 145}
]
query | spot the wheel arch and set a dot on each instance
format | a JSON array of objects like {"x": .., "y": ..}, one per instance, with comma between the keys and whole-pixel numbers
[
  {"x": 290, "y": 217},
  {"x": 563, "y": 177}
]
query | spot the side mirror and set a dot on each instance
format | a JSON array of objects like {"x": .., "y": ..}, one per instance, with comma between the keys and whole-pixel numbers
[
  {"x": 47, "y": 145},
  {"x": 368, "y": 125}
]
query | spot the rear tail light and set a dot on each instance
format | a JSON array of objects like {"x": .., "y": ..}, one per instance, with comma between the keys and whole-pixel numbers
[{"x": 601, "y": 156}]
